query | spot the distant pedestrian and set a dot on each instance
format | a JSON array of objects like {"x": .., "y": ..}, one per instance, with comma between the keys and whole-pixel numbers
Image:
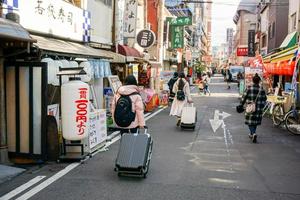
[
  {"x": 127, "y": 107},
  {"x": 182, "y": 96},
  {"x": 239, "y": 77},
  {"x": 171, "y": 83},
  {"x": 254, "y": 95},
  {"x": 228, "y": 78},
  {"x": 206, "y": 81}
]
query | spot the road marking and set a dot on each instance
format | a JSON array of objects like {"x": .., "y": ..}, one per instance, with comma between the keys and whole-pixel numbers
[
  {"x": 216, "y": 122},
  {"x": 153, "y": 114},
  {"x": 47, "y": 182},
  {"x": 70, "y": 167},
  {"x": 22, "y": 188}
]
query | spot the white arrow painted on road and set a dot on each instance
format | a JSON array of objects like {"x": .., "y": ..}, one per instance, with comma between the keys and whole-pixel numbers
[{"x": 216, "y": 122}]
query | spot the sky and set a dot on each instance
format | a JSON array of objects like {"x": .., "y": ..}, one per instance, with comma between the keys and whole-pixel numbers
[{"x": 222, "y": 18}]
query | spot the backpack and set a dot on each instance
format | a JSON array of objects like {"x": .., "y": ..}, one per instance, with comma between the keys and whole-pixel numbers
[
  {"x": 123, "y": 115},
  {"x": 180, "y": 94}
]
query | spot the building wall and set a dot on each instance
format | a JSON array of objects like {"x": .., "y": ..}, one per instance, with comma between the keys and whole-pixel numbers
[
  {"x": 279, "y": 16},
  {"x": 101, "y": 21},
  {"x": 294, "y": 8}
]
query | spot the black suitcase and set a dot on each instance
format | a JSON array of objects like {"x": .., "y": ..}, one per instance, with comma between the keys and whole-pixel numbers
[{"x": 134, "y": 154}]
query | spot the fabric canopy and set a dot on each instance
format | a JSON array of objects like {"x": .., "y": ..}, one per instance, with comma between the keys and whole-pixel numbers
[{"x": 290, "y": 40}]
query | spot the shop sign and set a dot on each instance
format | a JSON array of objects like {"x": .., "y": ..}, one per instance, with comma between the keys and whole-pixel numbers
[
  {"x": 179, "y": 21},
  {"x": 119, "y": 34},
  {"x": 114, "y": 83},
  {"x": 55, "y": 17},
  {"x": 177, "y": 37},
  {"x": 97, "y": 130},
  {"x": 130, "y": 17},
  {"x": 145, "y": 38},
  {"x": 81, "y": 111},
  {"x": 242, "y": 51},
  {"x": 251, "y": 43},
  {"x": 256, "y": 62}
]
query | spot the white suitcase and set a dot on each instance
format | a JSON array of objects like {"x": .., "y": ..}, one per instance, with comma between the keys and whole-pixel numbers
[{"x": 188, "y": 117}]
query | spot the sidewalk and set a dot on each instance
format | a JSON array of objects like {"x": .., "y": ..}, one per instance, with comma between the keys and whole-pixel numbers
[{"x": 7, "y": 172}]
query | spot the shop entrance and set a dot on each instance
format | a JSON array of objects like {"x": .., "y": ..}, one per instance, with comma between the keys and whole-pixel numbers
[{"x": 26, "y": 109}]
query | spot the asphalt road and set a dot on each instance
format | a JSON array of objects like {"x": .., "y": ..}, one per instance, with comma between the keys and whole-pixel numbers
[{"x": 200, "y": 164}]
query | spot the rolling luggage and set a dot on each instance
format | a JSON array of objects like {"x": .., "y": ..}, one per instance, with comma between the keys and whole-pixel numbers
[
  {"x": 188, "y": 117},
  {"x": 134, "y": 154}
]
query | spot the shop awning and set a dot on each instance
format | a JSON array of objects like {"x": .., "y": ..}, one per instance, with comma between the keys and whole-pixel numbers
[
  {"x": 280, "y": 68},
  {"x": 131, "y": 53},
  {"x": 53, "y": 45},
  {"x": 10, "y": 30},
  {"x": 290, "y": 40},
  {"x": 116, "y": 58},
  {"x": 284, "y": 55}
]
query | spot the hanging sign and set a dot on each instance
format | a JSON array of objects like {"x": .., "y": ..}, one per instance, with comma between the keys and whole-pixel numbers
[
  {"x": 114, "y": 83},
  {"x": 145, "y": 38},
  {"x": 251, "y": 43},
  {"x": 130, "y": 17},
  {"x": 242, "y": 51},
  {"x": 177, "y": 37},
  {"x": 179, "y": 21}
]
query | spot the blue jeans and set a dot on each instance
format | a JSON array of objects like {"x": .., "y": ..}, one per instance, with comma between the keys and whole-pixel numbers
[{"x": 252, "y": 129}]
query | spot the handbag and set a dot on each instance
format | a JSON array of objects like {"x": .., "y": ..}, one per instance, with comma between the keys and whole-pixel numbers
[{"x": 251, "y": 106}]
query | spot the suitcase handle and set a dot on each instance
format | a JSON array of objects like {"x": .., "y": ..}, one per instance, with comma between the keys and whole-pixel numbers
[{"x": 145, "y": 128}]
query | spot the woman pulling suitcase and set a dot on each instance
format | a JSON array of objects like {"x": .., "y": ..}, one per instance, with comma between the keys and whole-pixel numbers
[{"x": 181, "y": 90}]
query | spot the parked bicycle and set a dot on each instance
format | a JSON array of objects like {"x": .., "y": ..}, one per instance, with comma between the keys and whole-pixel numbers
[{"x": 292, "y": 119}]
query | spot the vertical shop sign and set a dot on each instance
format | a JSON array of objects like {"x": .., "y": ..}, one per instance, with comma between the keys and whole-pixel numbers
[
  {"x": 251, "y": 43},
  {"x": 177, "y": 37},
  {"x": 119, "y": 34},
  {"x": 130, "y": 17}
]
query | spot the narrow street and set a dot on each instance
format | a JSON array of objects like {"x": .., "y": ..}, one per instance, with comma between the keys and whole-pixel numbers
[{"x": 200, "y": 164}]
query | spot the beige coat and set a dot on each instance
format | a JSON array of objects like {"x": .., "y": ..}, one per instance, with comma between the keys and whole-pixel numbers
[
  {"x": 137, "y": 104},
  {"x": 177, "y": 106}
]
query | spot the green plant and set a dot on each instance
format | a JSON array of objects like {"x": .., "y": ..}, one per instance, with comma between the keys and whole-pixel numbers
[{"x": 199, "y": 67}]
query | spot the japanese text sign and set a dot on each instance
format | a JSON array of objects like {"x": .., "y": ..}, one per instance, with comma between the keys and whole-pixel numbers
[
  {"x": 242, "y": 51},
  {"x": 130, "y": 17},
  {"x": 177, "y": 37},
  {"x": 145, "y": 38},
  {"x": 180, "y": 21},
  {"x": 82, "y": 111},
  {"x": 55, "y": 17},
  {"x": 251, "y": 43}
]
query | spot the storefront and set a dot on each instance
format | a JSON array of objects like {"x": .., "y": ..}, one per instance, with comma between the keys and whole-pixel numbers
[{"x": 15, "y": 42}]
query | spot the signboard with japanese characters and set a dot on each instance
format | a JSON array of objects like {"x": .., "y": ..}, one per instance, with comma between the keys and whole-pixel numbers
[
  {"x": 145, "y": 38},
  {"x": 114, "y": 83},
  {"x": 177, "y": 37},
  {"x": 251, "y": 43},
  {"x": 97, "y": 130},
  {"x": 242, "y": 51},
  {"x": 180, "y": 21},
  {"x": 130, "y": 17},
  {"x": 55, "y": 17}
]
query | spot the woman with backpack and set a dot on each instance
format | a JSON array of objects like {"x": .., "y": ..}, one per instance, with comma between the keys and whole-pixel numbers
[
  {"x": 127, "y": 107},
  {"x": 181, "y": 89}
]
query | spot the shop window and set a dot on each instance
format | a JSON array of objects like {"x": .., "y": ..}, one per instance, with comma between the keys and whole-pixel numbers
[
  {"x": 264, "y": 40},
  {"x": 293, "y": 22}
]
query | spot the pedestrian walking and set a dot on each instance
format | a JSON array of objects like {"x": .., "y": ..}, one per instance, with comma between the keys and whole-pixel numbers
[
  {"x": 239, "y": 77},
  {"x": 171, "y": 84},
  {"x": 206, "y": 81},
  {"x": 228, "y": 78},
  {"x": 127, "y": 107},
  {"x": 255, "y": 98},
  {"x": 182, "y": 97}
]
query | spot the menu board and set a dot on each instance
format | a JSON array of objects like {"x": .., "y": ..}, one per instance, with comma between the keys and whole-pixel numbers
[
  {"x": 97, "y": 130},
  {"x": 115, "y": 83}
]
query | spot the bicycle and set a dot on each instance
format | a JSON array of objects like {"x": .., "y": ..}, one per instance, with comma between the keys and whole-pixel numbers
[
  {"x": 275, "y": 106},
  {"x": 292, "y": 119}
]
